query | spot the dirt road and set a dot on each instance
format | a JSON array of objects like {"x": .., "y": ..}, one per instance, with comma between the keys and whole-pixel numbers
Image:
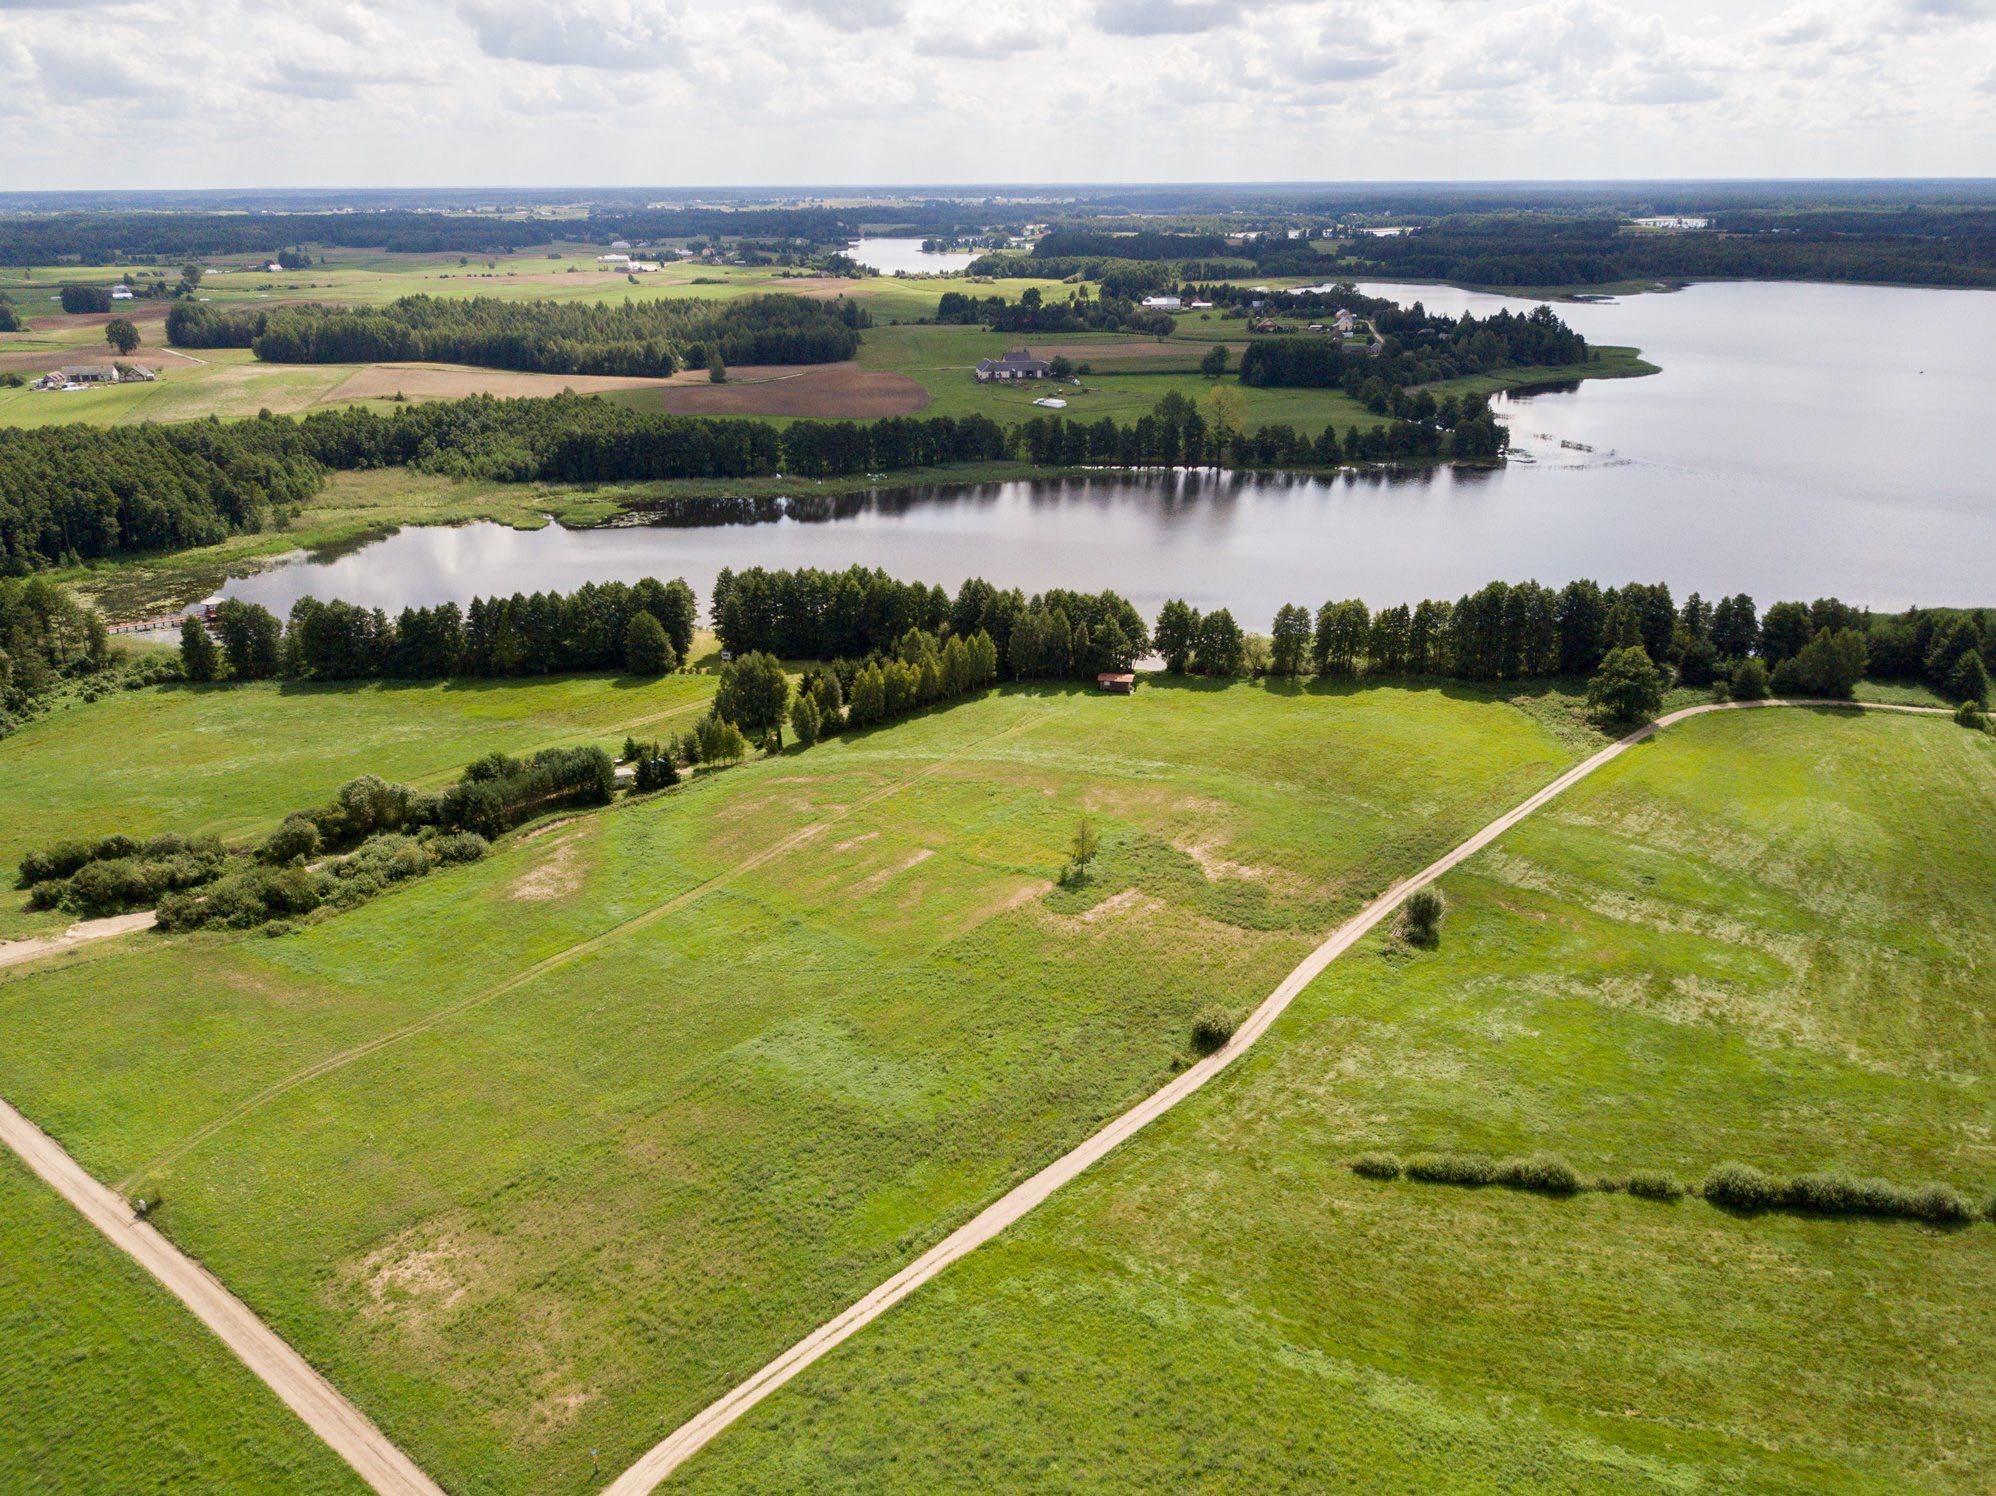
[
  {"x": 694, "y": 1435},
  {"x": 13, "y": 952},
  {"x": 346, "y": 1430}
]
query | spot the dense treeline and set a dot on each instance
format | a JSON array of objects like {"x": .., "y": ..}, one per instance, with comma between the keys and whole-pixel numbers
[
  {"x": 1032, "y": 313},
  {"x": 71, "y": 492},
  {"x": 860, "y": 614},
  {"x": 110, "y": 238},
  {"x": 551, "y": 337},
  {"x": 1517, "y": 631},
  {"x": 1953, "y": 247},
  {"x": 1419, "y": 349},
  {"x": 599, "y": 626},
  {"x": 1081, "y": 244},
  {"x": 1176, "y": 434}
]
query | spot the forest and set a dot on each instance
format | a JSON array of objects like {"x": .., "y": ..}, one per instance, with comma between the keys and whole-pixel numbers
[
  {"x": 552, "y": 337},
  {"x": 79, "y": 492},
  {"x": 1419, "y": 349},
  {"x": 1934, "y": 247}
]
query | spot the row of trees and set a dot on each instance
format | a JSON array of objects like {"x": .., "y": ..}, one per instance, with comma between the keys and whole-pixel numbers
[
  {"x": 860, "y": 613},
  {"x": 646, "y": 628},
  {"x": 1511, "y": 631},
  {"x": 1177, "y": 433},
  {"x": 555, "y": 337}
]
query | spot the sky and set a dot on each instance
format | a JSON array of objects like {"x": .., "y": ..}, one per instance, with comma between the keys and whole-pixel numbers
[{"x": 226, "y": 93}]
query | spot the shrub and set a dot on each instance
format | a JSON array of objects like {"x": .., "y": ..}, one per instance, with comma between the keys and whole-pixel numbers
[
  {"x": 460, "y": 846},
  {"x": 1941, "y": 1205},
  {"x": 1739, "y": 1186},
  {"x": 297, "y": 836},
  {"x": 1626, "y": 687},
  {"x": 1749, "y": 682},
  {"x": 1376, "y": 1166},
  {"x": 1655, "y": 1184},
  {"x": 1542, "y": 1173},
  {"x": 1425, "y": 908},
  {"x": 1970, "y": 714},
  {"x": 1470, "y": 1169},
  {"x": 1212, "y": 1028}
]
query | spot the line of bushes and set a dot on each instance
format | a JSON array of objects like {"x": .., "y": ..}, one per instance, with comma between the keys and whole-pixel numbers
[
  {"x": 117, "y": 874},
  {"x": 1732, "y": 1186},
  {"x": 259, "y": 894}
]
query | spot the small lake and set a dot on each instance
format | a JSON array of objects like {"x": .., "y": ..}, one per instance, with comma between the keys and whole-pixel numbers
[
  {"x": 894, "y": 256},
  {"x": 1802, "y": 440}
]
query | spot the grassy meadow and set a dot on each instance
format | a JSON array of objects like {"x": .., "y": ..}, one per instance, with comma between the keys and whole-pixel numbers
[
  {"x": 701, "y": 1069},
  {"x": 110, "y": 1386},
  {"x": 1761, "y": 936},
  {"x": 230, "y": 760}
]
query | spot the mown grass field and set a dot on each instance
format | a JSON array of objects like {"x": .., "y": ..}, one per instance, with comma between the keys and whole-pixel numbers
[
  {"x": 667, "y": 1085},
  {"x": 1761, "y": 936},
  {"x": 110, "y": 1386},
  {"x": 231, "y": 760}
]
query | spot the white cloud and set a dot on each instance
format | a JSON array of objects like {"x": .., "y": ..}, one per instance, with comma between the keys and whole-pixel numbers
[
  {"x": 714, "y": 91},
  {"x": 596, "y": 34}
]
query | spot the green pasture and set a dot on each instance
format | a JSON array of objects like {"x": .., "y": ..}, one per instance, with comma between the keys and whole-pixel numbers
[
  {"x": 231, "y": 760},
  {"x": 109, "y": 1386},
  {"x": 1761, "y": 936},
  {"x": 601, "y": 1123}
]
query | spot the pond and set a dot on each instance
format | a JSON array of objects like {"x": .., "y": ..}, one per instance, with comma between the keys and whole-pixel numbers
[
  {"x": 1803, "y": 440},
  {"x": 891, "y": 256}
]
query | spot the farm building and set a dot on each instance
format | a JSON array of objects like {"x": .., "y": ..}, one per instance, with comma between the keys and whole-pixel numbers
[
  {"x": 1018, "y": 363},
  {"x": 1116, "y": 682},
  {"x": 90, "y": 374},
  {"x": 1164, "y": 303}
]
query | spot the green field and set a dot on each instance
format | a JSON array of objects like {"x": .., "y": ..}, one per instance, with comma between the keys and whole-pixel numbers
[
  {"x": 1761, "y": 936},
  {"x": 1129, "y": 375},
  {"x": 666, "y": 1086},
  {"x": 108, "y": 1385},
  {"x": 231, "y": 760}
]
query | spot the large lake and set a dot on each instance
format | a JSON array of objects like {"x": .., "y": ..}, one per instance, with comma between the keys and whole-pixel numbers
[{"x": 1802, "y": 440}]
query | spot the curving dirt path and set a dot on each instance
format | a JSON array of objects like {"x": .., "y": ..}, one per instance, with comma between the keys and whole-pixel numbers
[
  {"x": 347, "y": 1431},
  {"x": 694, "y": 1435},
  {"x": 14, "y": 952}
]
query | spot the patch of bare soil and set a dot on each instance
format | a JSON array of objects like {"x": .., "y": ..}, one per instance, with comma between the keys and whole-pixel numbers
[
  {"x": 454, "y": 381},
  {"x": 874, "y": 881},
  {"x": 827, "y": 391},
  {"x": 556, "y": 878},
  {"x": 1130, "y": 902}
]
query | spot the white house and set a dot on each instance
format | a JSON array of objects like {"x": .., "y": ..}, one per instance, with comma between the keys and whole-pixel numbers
[
  {"x": 121, "y": 293},
  {"x": 1164, "y": 303}
]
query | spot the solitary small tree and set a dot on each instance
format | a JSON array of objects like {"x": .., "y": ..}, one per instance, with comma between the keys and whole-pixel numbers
[
  {"x": 1627, "y": 687},
  {"x": 1087, "y": 842},
  {"x": 121, "y": 334},
  {"x": 1214, "y": 364},
  {"x": 804, "y": 719},
  {"x": 1424, "y": 917},
  {"x": 717, "y": 367},
  {"x": 199, "y": 659},
  {"x": 647, "y": 651}
]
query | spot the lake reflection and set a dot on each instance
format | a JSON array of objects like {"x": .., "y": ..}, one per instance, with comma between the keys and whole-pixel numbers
[{"x": 1802, "y": 440}]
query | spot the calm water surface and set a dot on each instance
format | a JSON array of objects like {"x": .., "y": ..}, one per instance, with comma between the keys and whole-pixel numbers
[
  {"x": 891, "y": 255},
  {"x": 1801, "y": 440}
]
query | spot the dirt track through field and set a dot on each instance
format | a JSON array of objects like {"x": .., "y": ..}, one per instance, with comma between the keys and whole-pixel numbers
[
  {"x": 559, "y": 959},
  {"x": 347, "y": 1431},
  {"x": 14, "y": 952},
  {"x": 697, "y": 1432}
]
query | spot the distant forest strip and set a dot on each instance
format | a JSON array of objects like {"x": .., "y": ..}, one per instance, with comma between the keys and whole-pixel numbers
[
  {"x": 550, "y": 337},
  {"x": 80, "y": 492},
  {"x": 1930, "y": 247},
  {"x": 1938, "y": 246}
]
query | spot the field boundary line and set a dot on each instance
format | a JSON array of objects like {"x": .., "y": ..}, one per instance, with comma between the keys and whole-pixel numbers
[
  {"x": 347, "y": 1431},
  {"x": 697, "y": 1432},
  {"x": 587, "y": 946}
]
